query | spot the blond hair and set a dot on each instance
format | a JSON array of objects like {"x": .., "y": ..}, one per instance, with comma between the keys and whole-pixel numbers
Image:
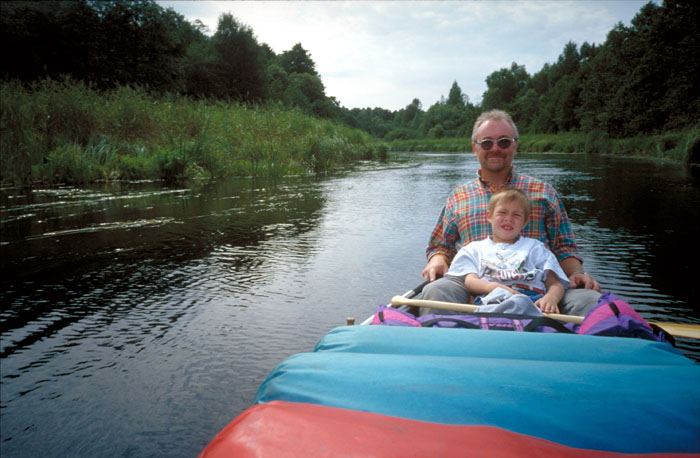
[{"x": 511, "y": 195}]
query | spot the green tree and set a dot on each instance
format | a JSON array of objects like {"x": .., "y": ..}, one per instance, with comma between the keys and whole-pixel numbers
[
  {"x": 199, "y": 70},
  {"x": 503, "y": 86},
  {"x": 293, "y": 80},
  {"x": 599, "y": 80},
  {"x": 413, "y": 111},
  {"x": 525, "y": 109},
  {"x": 662, "y": 46},
  {"x": 278, "y": 81},
  {"x": 105, "y": 42},
  {"x": 568, "y": 62},
  {"x": 411, "y": 116},
  {"x": 541, "y": 81},
  {"x": 565, "y": 96},
  {"x": 45, "y": 39},
  {"x": 297, "y": 60},
  {"x": 309, "y": 89},
  {"x": 588, "y": 52},
  {"x": 139, "y": 44},
  {"x": 240, "y": 61},
  {"x": 681, "y": 102},
  {"x": 436, "y": 132},
  {"x": 406, "y": 121},
  {"x": 375, "y": 121},
  {"x": 455, "y": 97},
  {"x": 642, "y": 79}
]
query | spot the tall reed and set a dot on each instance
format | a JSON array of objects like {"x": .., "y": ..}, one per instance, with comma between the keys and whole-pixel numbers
[{"x": 67, "y": 132}]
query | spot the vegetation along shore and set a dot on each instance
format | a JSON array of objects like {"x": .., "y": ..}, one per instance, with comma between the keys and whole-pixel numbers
[
  {"x": 119, "y": 90},
  {"x": 674, "y": 146},
  {"x": 67, "y": 132}
]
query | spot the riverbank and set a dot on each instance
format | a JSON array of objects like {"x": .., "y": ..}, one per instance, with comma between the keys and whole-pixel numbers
[
  {"x": 66, "y": 132},
  {"x": 681, "y": 146}
]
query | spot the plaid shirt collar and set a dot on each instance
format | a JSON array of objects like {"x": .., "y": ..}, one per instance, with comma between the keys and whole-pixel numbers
[{"x": 509, "y": 180}]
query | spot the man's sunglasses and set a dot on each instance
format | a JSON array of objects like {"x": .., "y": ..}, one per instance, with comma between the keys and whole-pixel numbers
[{"x": 503, "y": 143}]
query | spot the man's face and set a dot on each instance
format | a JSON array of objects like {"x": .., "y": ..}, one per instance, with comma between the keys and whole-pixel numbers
[{"x": 496, "y": 159}]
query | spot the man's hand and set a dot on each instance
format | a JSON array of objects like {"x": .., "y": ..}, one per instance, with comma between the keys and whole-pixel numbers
[
  {"x": 581, "y": 280},
  {"x": 577, "y": 278},
  {"x": 436, "y": 267}
]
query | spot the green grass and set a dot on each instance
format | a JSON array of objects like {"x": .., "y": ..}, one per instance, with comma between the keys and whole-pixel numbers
[
  {"x": 445, "y": 145},
  {"x": 679, "y": 146},
  {"x": 67, "y": 132}
]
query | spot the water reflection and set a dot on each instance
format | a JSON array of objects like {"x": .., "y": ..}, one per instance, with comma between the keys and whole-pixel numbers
[
  {"x": 152, "y": 314},
  {"x": 103, "y": 293}
]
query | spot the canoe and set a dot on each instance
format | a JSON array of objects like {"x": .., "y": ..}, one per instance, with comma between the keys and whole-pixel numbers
[{"x": 426, "y": 392}]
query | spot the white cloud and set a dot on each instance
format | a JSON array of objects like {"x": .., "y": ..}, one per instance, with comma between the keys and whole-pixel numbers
[{"x": 386, "y": 53}]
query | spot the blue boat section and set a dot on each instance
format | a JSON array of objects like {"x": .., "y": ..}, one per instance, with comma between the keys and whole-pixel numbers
[{"x": 600, "y": 393}]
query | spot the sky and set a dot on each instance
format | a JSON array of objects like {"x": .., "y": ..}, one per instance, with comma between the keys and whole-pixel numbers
[{"x": 386, "y": 53}]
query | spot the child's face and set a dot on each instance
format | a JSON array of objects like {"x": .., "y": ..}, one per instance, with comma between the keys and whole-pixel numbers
[{"x": 507, "y": 221}]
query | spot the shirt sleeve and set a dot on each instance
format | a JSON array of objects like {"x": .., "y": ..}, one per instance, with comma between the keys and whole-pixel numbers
[
  {"x": 466, "y": 262},
  {"x": 548, "y": 261},
  {"x": 445, "y": 235},
  {"x": 560, "y": 234}
]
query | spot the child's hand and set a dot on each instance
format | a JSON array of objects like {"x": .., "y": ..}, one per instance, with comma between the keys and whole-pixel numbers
[{"x": 547, "y": 305}]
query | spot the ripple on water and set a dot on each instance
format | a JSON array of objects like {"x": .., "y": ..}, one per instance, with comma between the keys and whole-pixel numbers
[{"x": 154, "y": 315}]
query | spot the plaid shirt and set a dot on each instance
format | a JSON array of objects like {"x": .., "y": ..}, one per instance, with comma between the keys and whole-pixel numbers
[{"x": 463, "y": 219}]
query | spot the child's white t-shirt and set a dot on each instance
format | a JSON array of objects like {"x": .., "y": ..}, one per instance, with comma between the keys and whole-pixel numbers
[{"x": 521, "y": 264}]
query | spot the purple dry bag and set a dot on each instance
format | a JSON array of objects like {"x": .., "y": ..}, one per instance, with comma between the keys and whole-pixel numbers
[
  {"x": 389, "y": 316},
  {"x": 614, "y": 317}
]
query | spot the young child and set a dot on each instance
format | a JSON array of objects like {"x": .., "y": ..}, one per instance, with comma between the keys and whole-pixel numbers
[{"x": 507, "y": 260}]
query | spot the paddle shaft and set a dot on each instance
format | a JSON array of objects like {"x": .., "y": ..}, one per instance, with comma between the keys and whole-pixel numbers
[
  {"x": 407, "y": 295},
  {"x": 398, "y": 300},
  {"x": 690, "y": 331}
]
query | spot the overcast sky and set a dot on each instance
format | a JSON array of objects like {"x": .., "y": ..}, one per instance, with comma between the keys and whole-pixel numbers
[{"x": 386, "y": 53}]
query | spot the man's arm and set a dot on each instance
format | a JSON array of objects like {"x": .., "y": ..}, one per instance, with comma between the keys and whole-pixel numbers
[{"x": 442, "y": 245}]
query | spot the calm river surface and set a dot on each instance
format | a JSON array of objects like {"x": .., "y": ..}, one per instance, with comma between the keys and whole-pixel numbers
[{"x": 138, "y": 320}]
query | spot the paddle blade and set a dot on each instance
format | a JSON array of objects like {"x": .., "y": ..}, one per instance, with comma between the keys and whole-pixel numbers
[{"x": 690, "y": 331}]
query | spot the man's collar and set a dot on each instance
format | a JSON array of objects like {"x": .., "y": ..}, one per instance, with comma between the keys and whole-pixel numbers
[{"x": 509, "y": 179}]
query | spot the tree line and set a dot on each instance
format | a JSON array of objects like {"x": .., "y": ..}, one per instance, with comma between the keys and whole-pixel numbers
[
  {"x": 119, "y": 42},
  {"x": 642, "y": 79}
]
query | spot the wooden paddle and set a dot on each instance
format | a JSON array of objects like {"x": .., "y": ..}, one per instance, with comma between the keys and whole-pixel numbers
[
  {"x": 407, "y": 295},
  {"x": 690, "y": 331}
]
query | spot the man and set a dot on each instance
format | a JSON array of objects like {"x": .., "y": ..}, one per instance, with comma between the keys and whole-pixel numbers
[{"x": 464, "y": 219}]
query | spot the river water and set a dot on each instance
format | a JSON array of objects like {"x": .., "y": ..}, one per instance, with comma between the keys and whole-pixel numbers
[{"x": 138, "y": 320}]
